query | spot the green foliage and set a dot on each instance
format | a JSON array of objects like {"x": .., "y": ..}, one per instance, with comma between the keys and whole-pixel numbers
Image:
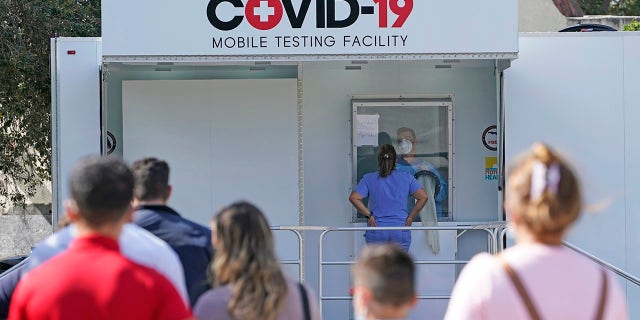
[
  {"x": 612, "y": 7},
  {"x": 626, "y": 8},
  {"x": 25, "y": 99},
  {"x": 594, "y": 7},
  {"x": 633, "y": 26}
]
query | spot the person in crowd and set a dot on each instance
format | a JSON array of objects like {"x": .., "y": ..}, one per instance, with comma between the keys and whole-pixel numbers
[
  {"x": 190, "y": 240},
  {"x": 384, "y": 283},
  {"x": 136, "y": 244},
  {"x": 248, "y": 280},
  {"x": 388, "y": 192},
  {"x": 410, "y": 162},
  {"x": 8, "y": 282},
  {"x": 538, "y": 278},
  {"x": 92, "y": 279}
]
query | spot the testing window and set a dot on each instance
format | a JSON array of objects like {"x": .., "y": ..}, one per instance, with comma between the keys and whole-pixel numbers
[{"x": 420, "y": 131}]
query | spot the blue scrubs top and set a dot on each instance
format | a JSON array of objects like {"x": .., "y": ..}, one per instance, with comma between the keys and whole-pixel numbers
[{"x": 388, "y": 196}]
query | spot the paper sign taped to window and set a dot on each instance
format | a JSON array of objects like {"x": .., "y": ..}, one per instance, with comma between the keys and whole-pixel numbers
[{"x": 367, "y": 130}]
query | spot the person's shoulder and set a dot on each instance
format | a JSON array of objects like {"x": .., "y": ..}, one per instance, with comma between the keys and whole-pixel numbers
[
  {"x": 212, "y": 301},
  {"x": 134, "y": 234},
  {"x": 195, "y": 226},
  {"x": 371, "y": 175},
  {"x": 215, "y": 294},
  {"x": 402, "y": 174},
  {"x": 294, "y": 286},
  {"x": 54, "y": 244},
  {"x": 146, "y": 275},
  {"x": 44, "y": 272},
  {"x": 482, "y": 264},
  {"x": 143, "y": 246}
]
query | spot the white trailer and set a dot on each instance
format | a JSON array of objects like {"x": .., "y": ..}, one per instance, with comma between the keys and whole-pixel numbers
[{"x": 278, "y": 110}]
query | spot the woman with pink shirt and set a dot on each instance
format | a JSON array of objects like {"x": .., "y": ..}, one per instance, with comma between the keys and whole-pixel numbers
[{"x": 538, "y": 278}]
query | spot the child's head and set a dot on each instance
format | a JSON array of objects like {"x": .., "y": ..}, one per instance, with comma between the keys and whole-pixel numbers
[{"x": 384, "y": 281}]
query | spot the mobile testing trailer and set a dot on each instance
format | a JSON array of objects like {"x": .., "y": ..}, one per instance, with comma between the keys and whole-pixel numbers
[{"x": 284, "y": 103}]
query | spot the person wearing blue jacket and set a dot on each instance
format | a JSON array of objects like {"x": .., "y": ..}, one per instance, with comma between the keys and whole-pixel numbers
[{"x": 190, "y": 240}]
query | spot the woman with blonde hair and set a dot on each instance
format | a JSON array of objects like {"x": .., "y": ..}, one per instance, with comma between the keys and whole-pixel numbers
[
  {"x": 248, "y": 280},
  {"x": 538, "y": 278}
]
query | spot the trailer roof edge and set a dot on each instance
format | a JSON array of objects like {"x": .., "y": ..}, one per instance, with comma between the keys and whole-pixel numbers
[{"x": 308, "y": 58}]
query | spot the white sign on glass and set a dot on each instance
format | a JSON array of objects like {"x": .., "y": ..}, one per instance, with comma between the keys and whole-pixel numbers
[{"x": 367, "y": 130}]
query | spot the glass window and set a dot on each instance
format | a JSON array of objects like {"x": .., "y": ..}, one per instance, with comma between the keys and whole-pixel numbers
[{"x": 420, "y": 132}]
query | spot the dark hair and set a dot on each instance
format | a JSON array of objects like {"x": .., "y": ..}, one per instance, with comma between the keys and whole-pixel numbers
[
  {"x": 556, "y": 204},
  {"x": 386, "y": 160},
  {"x": 388, "y": 272},
  {"x": 102, "y": 188},
  {"x": 152, "y": 179}
]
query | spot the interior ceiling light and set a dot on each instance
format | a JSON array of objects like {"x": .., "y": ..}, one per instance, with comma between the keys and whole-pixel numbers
[
  {"x": 443, "y": 66},
  {"x": 353, "y": 68}
]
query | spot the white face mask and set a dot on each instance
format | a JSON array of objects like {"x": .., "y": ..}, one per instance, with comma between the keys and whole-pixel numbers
[{"x": 405, "y": 146}]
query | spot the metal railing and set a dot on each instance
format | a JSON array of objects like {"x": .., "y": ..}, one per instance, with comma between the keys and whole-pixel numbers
[
  {"x": 605, "y": 264},
  {"x": 492, "y": 231},
  {"x": 300, "y": 260}
]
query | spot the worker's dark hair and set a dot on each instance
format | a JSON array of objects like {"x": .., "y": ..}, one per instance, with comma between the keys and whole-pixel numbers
[
  {"x": 386, "y": 160},
  {"x": 102, "y": 188},
  {"x": 388, "y": 272},
  {"x": 152, "y": 179}
]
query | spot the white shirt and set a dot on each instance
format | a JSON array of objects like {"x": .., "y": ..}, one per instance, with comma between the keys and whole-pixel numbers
[{"x": 136, "y": 243}]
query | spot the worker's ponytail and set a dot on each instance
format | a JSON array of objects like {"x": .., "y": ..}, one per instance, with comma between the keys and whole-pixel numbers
[
  {"x": 544, "y": 192},
  {"x": 386, "y": 160}
]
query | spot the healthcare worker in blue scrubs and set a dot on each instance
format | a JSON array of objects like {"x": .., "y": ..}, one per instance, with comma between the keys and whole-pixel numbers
[{"x": 388, "y": 191}]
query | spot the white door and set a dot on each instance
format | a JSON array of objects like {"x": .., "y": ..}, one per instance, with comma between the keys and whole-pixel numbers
[{"x": 75, "y": 109}]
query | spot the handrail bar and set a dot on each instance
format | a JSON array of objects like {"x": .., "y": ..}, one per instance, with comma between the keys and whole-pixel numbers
[
  {"x": 490, "y": 228},
  {"x": 300, "y": 260},
  {"x": 629, "y": 277}
]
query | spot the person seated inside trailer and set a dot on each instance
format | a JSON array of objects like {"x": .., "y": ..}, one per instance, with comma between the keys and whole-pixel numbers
[{"x": 412, "y": 163}]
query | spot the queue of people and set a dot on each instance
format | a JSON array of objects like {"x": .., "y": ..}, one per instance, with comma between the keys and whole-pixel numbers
[{"x": 127, "y": 255}]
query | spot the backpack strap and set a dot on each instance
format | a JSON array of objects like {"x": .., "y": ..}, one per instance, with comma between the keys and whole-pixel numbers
[
  {"x": 603, "y": 297},
  {"x": 305, "y": 301},
  {"x": 520, "y": 288}
]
